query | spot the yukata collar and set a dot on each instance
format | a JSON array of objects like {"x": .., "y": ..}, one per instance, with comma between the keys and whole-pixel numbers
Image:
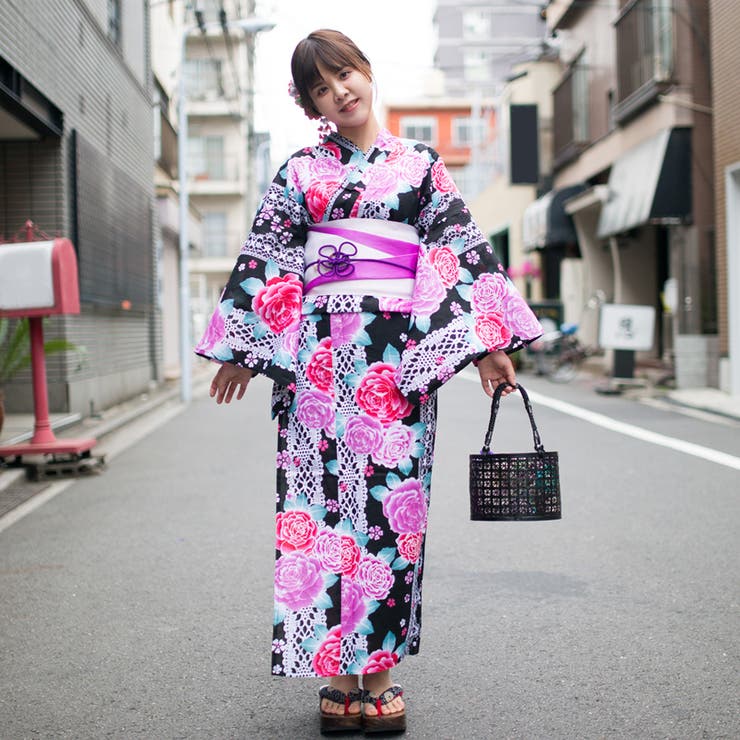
[{"x": 382, "y": 141}]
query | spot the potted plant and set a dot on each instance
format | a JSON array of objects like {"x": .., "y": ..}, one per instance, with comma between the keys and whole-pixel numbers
[{"x": 15, "y": 353}]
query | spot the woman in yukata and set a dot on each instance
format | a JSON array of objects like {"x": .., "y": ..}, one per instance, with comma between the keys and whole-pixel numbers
[{"x": 363, "y": 286}]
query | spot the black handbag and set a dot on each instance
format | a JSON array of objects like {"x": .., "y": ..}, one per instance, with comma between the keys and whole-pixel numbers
[{"x": 507, "y": 487}]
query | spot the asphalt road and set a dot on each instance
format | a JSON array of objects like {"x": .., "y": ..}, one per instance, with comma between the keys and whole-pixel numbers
[{"x": 138, "y": 603}]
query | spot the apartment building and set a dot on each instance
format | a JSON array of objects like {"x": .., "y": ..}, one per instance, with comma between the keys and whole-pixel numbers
[
  {"x": 76, "y": 158},
  {"x": 479, "y": 42},
  {"x": 633, "y": 131},
  {"x": 725, "y": 30},
  {"x": 168, "y": 23},
  {"x": 461, "y": 130},
  {"x": 499, "y": 208},
  {"x": 219, "y": 87}
]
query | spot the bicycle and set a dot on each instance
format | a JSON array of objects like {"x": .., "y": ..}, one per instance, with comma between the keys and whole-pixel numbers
[{"x": 558, "y": 354}]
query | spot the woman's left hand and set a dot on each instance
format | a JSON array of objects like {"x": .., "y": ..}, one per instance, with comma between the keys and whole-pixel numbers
[{"x": 494, "y": 369}]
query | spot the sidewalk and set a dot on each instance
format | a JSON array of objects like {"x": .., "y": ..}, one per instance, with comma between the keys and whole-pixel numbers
[{"x": 19, "y": 427}]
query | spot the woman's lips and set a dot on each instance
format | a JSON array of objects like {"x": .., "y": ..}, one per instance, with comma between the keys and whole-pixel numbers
[{"x": 350, "y": 106}]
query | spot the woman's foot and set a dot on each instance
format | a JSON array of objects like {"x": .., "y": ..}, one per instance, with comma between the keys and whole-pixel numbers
[
  {"x": 383, "y": 706},
  {"x": 345, "y": 685},
  {"x": 376, "y": 684}
]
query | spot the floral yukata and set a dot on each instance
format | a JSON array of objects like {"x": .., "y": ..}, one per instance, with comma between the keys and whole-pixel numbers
[{"x": 355, "y": 380}]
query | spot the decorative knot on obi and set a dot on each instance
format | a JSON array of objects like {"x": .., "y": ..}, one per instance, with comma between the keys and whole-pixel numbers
[
  {"x": 351, "y": 256},
  {"x": 336, "y": 261}
]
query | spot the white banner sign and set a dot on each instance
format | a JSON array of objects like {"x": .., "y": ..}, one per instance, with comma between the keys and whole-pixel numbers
[{"x": 626, "y": 327}]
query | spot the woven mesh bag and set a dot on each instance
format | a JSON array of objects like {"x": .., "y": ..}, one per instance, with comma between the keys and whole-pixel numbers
[{"x": 511, "y": 487}]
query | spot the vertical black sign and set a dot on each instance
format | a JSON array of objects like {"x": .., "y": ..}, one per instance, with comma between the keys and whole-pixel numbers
[{"x": 524, "y": 141}]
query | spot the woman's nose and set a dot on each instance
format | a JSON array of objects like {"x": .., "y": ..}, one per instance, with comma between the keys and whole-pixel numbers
[{"x": 339, "y": 90}]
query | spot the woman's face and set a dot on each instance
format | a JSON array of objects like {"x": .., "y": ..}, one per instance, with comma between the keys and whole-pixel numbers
[{"x": 344, "y": 97}]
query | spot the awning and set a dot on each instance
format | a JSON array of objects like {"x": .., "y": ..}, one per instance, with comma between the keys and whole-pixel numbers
[
  {"x": 650, "y": 183},
  {"x": 546, "y": 223}
]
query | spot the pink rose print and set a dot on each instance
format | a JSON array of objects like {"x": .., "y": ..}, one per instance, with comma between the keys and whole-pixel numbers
[
  {"x": 354, "y": 609},
  {"x": 441, "y": 178},
  {"x": 405, "y": 507},
  {"x": 328, "y": 549},
  {"x": 396, "y": 446},
  {"x": 314, "y": 409},
  {"x": 326, "y": 659},
  {"x": 375, "y": 577},
  {"x": 317, "y": 197},
  {"x": 381, "y": 180},
  {"x": 319, "y": 368},
  {"x": 409, "y": 545},
  {"x": 356, "y": 207},
  {"x": 391, "y": 303},
  {"x": 492, "y": 331},
  {"x": 429, "y": 292},
  {"x": 489, "y": 291},
  {"x": 378, "y": 394},
  {"x": 214, "y": 333},
  {"x": 380, "y": 660},
  {"x": 518, "y": 315},
  {"x": 327, "y": 169},
  {"x": 298, "y": 580},
  {"x": 350, "y": 556},
  {"x": 396, "y": 150},
  {"x": 412, "y": 167},
  {"x": 291, "y": 339},
  {"x": 295, "y": 531},
  {"x": 363, "y": 435},
  {"x": 333, "y": 148},
  {"x": 345, "y": 327},
  {"x": 299, "y": 172},
  {"x": 447, "y": 265},
  {"x": 278, "y": 304}
]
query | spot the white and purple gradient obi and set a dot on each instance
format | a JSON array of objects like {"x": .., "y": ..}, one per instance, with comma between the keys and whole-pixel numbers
[{"x": 361, "y": 256}]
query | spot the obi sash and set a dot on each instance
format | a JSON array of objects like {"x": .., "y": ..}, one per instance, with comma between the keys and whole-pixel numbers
[{"x": 361, "y": 256}]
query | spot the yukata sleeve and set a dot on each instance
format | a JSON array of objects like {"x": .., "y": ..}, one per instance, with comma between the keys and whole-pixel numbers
[
  {"x": 256, "y": 322},
  {"x": 464, "y": 305}
]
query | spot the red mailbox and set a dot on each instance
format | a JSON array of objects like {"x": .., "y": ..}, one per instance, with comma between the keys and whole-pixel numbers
[{"x": 37, "y": 279}]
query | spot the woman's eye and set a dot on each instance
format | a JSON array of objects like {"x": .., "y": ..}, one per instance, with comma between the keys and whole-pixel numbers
[{"x": 344, "y": 74}]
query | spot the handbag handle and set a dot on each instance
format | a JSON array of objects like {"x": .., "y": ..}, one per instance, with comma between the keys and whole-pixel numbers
[{"x": 494, "y": 412}]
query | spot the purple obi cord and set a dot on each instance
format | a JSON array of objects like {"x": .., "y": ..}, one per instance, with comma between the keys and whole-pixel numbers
[{"x": 341, "y": 261}]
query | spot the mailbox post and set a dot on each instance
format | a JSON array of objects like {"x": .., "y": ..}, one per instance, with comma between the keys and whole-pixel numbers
[{"x": 39, "y": 279}]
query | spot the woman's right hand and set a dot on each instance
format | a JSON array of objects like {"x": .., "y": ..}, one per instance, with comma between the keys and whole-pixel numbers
[{"x": 228, "y": 380}]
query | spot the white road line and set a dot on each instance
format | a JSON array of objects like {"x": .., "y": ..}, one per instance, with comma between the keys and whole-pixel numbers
[
  {"x": 600, "y": 420},
  {"x": 33, "y": 503}
]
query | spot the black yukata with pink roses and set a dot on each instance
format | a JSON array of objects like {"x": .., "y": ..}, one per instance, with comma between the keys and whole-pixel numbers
[{"x": 355, "y": 392}]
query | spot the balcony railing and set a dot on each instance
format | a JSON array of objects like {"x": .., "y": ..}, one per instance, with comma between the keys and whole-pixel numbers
[
  {"x": 645, "y": 50},
  {"x": 213, "y": 168},
  {"x": 571, "y": 121}
]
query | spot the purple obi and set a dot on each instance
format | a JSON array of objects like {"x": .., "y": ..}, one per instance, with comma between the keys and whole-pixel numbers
[{"x": 351, "y": 256}]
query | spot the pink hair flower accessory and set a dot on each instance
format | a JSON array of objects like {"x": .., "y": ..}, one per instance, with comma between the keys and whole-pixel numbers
[{"x": 295, "y": 94}]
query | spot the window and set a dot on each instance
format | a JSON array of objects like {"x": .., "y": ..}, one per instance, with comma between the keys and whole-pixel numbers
[
  {"x": 419, "y": 128},
  {"x": 206, "y": 158},
  {"x": 645, "y": 48},
  {"x": 467, "y": 131},
  {"x": 476, "y": 24},
  {"x": 204, "y": 79},
  {"x": 215, "y": 234},
  {"x": 114, "y": 21},
  {"x": 477, "y": 65}
]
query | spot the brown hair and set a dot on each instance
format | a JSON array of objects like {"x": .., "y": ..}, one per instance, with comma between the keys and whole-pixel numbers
[{"x": 335, "y": 51}]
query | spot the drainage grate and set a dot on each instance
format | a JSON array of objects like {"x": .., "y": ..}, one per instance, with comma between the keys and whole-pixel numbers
[{"x": 13, "y": 496}]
